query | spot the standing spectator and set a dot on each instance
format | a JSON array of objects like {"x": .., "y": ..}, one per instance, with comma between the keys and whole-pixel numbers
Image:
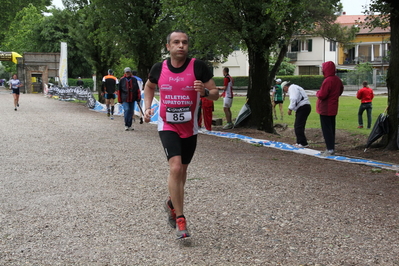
[
  {"x": 365, "y": 95},
  {"x": 228, "y": 83},
  {"x": 129, "y": 92},
  {"x": 299, "y": 102},
  {"x": 327, "y": 105},
  {"x": 278, "y": 96},
  {"x": 15, "y": 84},
  {"x": 80, "y": 82},
  {"x": 205, "y": 112},
  {"x": 181, "y": 81},
  {"x": 110, "y": 83},
  {"x": 139, "y": 80}
]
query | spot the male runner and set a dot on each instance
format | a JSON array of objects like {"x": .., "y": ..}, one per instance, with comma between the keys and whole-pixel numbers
[
  {"x": 181, "y": 81},
  {"x": 108, "y": 91}
]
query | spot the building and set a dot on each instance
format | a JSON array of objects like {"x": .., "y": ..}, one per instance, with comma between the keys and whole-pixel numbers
[
  {"x": 370, "y": 46},
  {"x": 309, "y": 52}
]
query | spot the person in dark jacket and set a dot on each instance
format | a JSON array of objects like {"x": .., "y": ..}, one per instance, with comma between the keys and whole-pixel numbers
[
  {"x": 80, "y": 82},
  {"x": 128, "y": 93},
  {"x": 327, "y": 105}
]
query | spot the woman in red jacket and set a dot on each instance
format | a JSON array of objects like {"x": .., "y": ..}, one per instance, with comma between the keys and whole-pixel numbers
[
  {"x": 327, "y": 105},
  {"x": 365, "y": 95}
]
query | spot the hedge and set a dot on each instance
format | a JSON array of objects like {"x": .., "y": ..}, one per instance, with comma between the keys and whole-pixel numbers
[
  {"x": 88, "y": 83},
  {"x": 306, "y": 82}
]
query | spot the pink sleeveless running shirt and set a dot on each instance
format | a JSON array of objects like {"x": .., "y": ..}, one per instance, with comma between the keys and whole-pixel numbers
[{"x": 179, "y": 102}]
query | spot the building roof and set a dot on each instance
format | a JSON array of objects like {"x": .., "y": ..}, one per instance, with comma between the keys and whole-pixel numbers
[{"x": 350, "y": 20}]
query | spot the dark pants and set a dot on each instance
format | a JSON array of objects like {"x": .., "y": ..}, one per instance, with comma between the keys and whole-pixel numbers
[
  {"x": 301, "y": 116},
  {"x": 128, "y": 109},
  {"x": 368, "y": 107},
  {"x": 328, "y": 128}
]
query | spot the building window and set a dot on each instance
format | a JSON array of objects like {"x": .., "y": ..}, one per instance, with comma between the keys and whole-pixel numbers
[
  {"x": 295, "y": 46},
  {"x": 308, "y": 70},
  {"x": 333, "y": 46},
  {"x": 306, "y": 45}
]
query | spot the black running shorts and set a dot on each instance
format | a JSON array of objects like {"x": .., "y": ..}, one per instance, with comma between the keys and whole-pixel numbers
[
  {"x": 175, "y": 146},
  {"x": 110, "y": 96}
]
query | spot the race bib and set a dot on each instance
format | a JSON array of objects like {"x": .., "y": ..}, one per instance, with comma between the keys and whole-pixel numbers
[{"x": 175, "y": 115}]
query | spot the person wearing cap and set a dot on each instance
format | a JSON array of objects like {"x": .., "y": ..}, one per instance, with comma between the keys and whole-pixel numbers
[
  {"x": 299, "y": 102},
  {"x": 278, "y": 96},
  {"x": 80, "y": 82},
  {"x": 128, "y": 93},
  {"x": 110, "y": 83}
]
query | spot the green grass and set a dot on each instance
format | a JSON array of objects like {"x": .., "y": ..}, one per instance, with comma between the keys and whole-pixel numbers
[{"x": 346, "y": 118}]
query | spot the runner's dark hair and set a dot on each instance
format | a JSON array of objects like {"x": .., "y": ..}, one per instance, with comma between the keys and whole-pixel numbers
[{"x": 168, "y": 37}]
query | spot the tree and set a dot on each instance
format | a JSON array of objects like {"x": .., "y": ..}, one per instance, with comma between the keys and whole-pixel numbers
[
  {"x": 10, "y": 8},
  {"x": 57, "y": 28},
  {"x": 20, "y": 33},
  {"x": 264, "y": 27},
  {"x": 93, "y": 36},
  {"x": 285, "y": 69},
  {"x": 389, "y": 17},
  {"x": 139, "y": 29}
]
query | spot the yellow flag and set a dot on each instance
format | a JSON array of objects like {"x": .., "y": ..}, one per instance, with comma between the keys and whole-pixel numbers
[{"x": 14, "y": 57}]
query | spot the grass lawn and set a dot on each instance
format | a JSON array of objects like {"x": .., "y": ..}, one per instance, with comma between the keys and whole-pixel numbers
[{"x": 346, "y": 118}]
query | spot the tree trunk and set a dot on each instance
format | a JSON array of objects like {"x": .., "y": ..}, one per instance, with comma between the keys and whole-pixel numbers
[
  {"x": 393, "y": 79},
  {"x": 259, "y": 92}
]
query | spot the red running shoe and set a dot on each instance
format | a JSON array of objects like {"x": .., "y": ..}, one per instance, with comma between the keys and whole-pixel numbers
[
  {"x": 181, "y": 228},
  {"x": 171, "y": 213}
]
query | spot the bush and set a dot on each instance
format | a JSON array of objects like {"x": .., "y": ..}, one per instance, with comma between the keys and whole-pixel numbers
[
  {"x": 88, "y": 83},
  {"x": 238, "y": 81},
  {"x": 306, "y": 82}
]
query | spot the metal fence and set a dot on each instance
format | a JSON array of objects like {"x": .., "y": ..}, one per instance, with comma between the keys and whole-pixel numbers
[{"x": 356, "y": 78}]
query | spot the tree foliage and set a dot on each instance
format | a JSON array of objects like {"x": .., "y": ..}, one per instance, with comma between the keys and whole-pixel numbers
[
  {"x": 263, "y": 27},
  {"x": 10, "y": 8},
  {"x": 21, "y": 30}
]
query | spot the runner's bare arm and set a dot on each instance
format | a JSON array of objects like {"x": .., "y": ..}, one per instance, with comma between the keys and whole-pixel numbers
[
  {"x": 210, "y": 85},
  {"x": 149, "y": 91}
]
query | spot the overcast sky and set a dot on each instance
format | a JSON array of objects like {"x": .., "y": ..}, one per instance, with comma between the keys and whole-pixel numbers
[
  {"x": 354, "y": 7},
  {"x": 351, "y": 7}
]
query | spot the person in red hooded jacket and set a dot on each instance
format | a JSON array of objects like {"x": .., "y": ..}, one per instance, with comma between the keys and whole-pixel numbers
[{"x": 327, "y": 105}]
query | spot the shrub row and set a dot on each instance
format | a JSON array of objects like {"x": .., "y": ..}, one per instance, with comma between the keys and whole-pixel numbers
[{"x": 306, "y": 82}]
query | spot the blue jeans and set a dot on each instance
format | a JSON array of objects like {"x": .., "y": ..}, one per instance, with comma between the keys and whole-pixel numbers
[
  {"x": 128, "y": 110},
  {"x": 368, "y": 107}
]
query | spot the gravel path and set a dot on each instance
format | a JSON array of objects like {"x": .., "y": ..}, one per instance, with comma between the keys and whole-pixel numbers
[{"x": 76, "y": 189}]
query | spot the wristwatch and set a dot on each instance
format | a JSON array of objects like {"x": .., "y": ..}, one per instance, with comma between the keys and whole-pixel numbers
[{"x": 206, "y": 93}]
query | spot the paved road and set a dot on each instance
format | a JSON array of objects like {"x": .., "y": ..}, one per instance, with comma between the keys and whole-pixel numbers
[{"x": 76, "y": 189}]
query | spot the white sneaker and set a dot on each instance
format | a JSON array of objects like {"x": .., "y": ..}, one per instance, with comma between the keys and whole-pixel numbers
[
  {"x": 126, "y": 128},
  {"x": 327, "y": 153},
  {"x": 112, "y": 117},
  {"x": 130, "y": 128},
  {"x": 300, "y": 146},
  {"x": 228, "y": 126}
]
